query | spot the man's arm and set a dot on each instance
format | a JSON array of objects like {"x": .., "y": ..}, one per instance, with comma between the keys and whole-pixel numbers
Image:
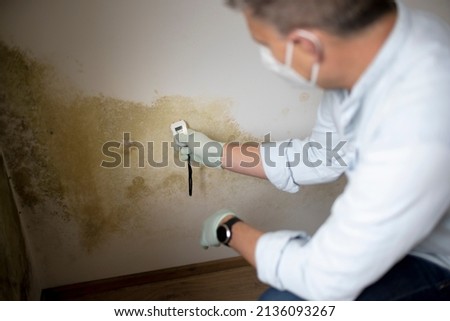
[
  {"x": 286, "y": 164},
  {"x": 243, "y": 159},
  {"x": 289, "y": 164},
  {"x": 244, "y": 240}
]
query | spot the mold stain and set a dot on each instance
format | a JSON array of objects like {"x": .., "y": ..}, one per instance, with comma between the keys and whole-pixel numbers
[
  {"x": 138, "y": 188},
  {"x": 52, "y": 136},
  {"x": 15, "y": 270}
]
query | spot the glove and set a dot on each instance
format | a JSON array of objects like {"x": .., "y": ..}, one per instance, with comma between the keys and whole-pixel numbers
[
  {"x": 200, "y": 147},
  {"x": 210, "y": 225}
]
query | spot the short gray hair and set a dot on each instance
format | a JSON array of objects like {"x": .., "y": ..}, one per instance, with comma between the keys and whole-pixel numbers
[{"x": 340, "y": 17}]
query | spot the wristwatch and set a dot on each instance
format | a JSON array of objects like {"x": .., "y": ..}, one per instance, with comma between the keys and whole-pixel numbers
[{"x": 224, "y": 231}]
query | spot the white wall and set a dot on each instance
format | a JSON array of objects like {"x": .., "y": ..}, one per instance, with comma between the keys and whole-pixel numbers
[
  {"x": 142, "y": 51},
  {"x": 438, "y": 7}
]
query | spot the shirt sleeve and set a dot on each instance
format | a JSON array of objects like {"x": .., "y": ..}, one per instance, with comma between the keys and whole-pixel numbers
[
  {"x": 317, "y": 159},
  {"x": 393, "y": 200}
]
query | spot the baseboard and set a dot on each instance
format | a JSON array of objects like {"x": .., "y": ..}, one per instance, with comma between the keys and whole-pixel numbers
[{"x": 74, "y": 291}]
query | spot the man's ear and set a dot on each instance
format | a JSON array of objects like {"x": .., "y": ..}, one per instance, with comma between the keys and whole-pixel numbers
[{"x": 309, "y": 42}]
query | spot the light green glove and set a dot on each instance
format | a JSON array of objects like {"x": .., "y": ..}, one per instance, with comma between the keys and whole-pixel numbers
[
  {"x": 201, "y": 148},
  {"x": 210, "y": 225}
]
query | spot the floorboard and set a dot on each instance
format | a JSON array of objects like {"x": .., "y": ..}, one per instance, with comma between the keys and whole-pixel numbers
[{"x": 225, "y": 280}]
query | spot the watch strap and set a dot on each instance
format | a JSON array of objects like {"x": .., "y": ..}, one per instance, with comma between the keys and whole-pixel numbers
[{"x": 230, "y": 224}]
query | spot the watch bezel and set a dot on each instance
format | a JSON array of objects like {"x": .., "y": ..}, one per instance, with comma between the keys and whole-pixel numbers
[
  {"x": 223, "y": 230},
  {"x": 227, "y": 230}
]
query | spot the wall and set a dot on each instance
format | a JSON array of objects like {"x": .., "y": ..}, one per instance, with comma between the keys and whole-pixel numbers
[
  {"x": 76, "y": 74},
  {"x": 15, "y": 274},
  {"x": 438, "y": 7}
]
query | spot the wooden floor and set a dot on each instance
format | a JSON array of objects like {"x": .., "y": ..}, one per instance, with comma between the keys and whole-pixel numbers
[{"x": 225, "y": 280}]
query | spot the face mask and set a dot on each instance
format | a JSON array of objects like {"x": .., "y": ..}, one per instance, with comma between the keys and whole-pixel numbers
[{"x": 286, "y": 71}]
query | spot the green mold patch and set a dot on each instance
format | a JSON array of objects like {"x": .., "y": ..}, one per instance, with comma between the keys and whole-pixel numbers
[{"x": 54, "y": 137}]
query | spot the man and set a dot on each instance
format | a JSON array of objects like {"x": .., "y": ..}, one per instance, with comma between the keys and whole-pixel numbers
[{"x": 385, "y": 69}]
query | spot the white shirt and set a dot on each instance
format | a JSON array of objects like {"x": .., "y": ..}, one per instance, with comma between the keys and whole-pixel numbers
[{"x": 396, "y": 122}]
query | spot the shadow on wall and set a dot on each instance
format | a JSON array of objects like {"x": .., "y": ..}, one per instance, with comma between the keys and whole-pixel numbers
[
  {"x": 14, "y": 265},
  {"x": 52, "y": 136}
]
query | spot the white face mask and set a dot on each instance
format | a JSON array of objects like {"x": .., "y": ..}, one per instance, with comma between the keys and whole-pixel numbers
[{"x": 286, "y": 71}]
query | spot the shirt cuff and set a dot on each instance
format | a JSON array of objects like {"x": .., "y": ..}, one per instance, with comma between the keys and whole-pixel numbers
[
  {"x": 277, "y": 165},
  {"x": 269, "y": 252}
]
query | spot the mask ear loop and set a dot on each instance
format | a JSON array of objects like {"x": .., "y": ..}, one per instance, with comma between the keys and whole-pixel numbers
[
  {"x": 289, "y": 54},
  {"x": 315, "y": 73}
]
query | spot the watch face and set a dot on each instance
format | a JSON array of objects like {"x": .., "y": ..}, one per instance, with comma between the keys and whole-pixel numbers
[{"x": 222, "y": 234}]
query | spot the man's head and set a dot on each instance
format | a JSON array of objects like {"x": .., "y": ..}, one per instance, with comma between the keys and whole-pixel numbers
[
  {"x": 339, "y": 17},
  {"x": 317, "y": 29}
]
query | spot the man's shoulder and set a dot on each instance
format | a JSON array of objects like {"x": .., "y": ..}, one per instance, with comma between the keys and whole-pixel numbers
[
  {"x": 426, "y": 21},
  {"x": 428, "y": 36},
  {"x": 421, "y": 68}
]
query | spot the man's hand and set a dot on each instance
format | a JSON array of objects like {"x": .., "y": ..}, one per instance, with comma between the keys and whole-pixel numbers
[
  {"x": 209, "y": 232},
  {"x": 201, "y": 148}
]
